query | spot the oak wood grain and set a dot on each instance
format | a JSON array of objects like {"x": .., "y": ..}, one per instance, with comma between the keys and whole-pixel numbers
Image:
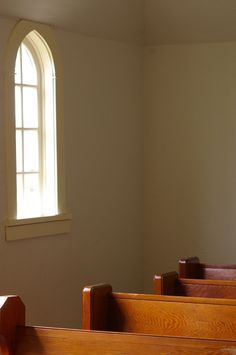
[
  {"x": 23, "y": 340},
  {"x": 203, "y": 318},
  {"x": 46, "y": 341}
]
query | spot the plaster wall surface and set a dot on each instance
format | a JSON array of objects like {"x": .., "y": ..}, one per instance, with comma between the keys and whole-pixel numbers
[
  {"x": 189, "y": 161},
  {"x": 103, "y": 150}
]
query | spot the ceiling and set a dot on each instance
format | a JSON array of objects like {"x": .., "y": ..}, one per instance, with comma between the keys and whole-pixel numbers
[{"x": 147, "y": 22}]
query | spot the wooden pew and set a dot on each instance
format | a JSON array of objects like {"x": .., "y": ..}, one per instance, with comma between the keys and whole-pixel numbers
[
  {"x": 18, "y": 339},
  {"x": 171, "y": 284},
  {"x": 202, "y": 318},
  {"x": 191, "y": 268}
]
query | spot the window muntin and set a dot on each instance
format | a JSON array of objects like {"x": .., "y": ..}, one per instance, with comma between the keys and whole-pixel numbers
[{"x": 35, "y": 129}]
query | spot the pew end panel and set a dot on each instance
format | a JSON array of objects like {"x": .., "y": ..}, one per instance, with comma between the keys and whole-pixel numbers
[
  {"x": 12, "y": 314},
  {"x": 190, "y": 268},
  {"x": 95, "y": 307},
  {"x": 166, "y": 284}
]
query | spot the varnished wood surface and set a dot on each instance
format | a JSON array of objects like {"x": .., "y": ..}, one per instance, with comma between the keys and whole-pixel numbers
[
  {"x": 46, "y": 341},
  {"x": 204, "y": 318},
  {"x": 95, "y": 301},
  {"x": 175, "y": 299},
  {"x": 208, "y": 288},
  {"x": 174, "y": 319},
  {"x": 192, "y": 268},
  {"x": 23, "y": 340},
  {"x": 166, "y": 284},
  {"x": 171, "y": 284},
  {"x": 12, "y": 314},
  {"x": 218, "y": 273}
]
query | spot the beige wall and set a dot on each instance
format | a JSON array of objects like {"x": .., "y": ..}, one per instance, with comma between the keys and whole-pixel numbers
[
  {"x": 190, "y": 154},
  {"x": 182, "y": 142},
  {"x": 102, "y": 118}
]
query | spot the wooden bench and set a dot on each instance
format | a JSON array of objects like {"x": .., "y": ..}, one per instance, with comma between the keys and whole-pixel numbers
[
  {"x": 191, "y": 268},
  {"x": 18, "y": 339},
  {"x": 202, "y": 318},
  {"x": 171, "y": 284}
]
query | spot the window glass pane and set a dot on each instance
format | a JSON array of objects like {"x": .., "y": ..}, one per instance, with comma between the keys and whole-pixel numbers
[
  {"x": 30, "y": 107},
  {"x": 18, "y": 110},
  {"x": 32, "y": 205},
  {"x": 19, "y": 164},
  {"x": 18, "y": 68},
  {"x": 29, "y": 72},
  {"x": 20, "y": 195},
  {"x": 35, "y": 133},
  {"x": 31, "y": 151}
]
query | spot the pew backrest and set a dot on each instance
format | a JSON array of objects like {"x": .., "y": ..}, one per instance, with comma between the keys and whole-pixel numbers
[
  {"x": 39, "y": 341},
  {"x": 171, "y": 284},
  {"x": 192, "y": 268},
  {"x": 203, "y": 318},
  {"x": 18, "y": 339}
]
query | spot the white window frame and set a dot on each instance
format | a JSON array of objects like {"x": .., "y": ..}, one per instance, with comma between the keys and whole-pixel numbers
[{"x": 16, "y": 229}]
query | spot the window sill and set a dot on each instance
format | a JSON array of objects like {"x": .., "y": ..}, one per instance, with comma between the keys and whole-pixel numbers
[{"x": 37, "y": 227}]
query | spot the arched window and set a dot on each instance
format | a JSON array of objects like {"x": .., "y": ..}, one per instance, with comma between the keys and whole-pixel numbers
[
  {"x": 35, "y": 125},
  {"x": 35, "y": 181}
]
